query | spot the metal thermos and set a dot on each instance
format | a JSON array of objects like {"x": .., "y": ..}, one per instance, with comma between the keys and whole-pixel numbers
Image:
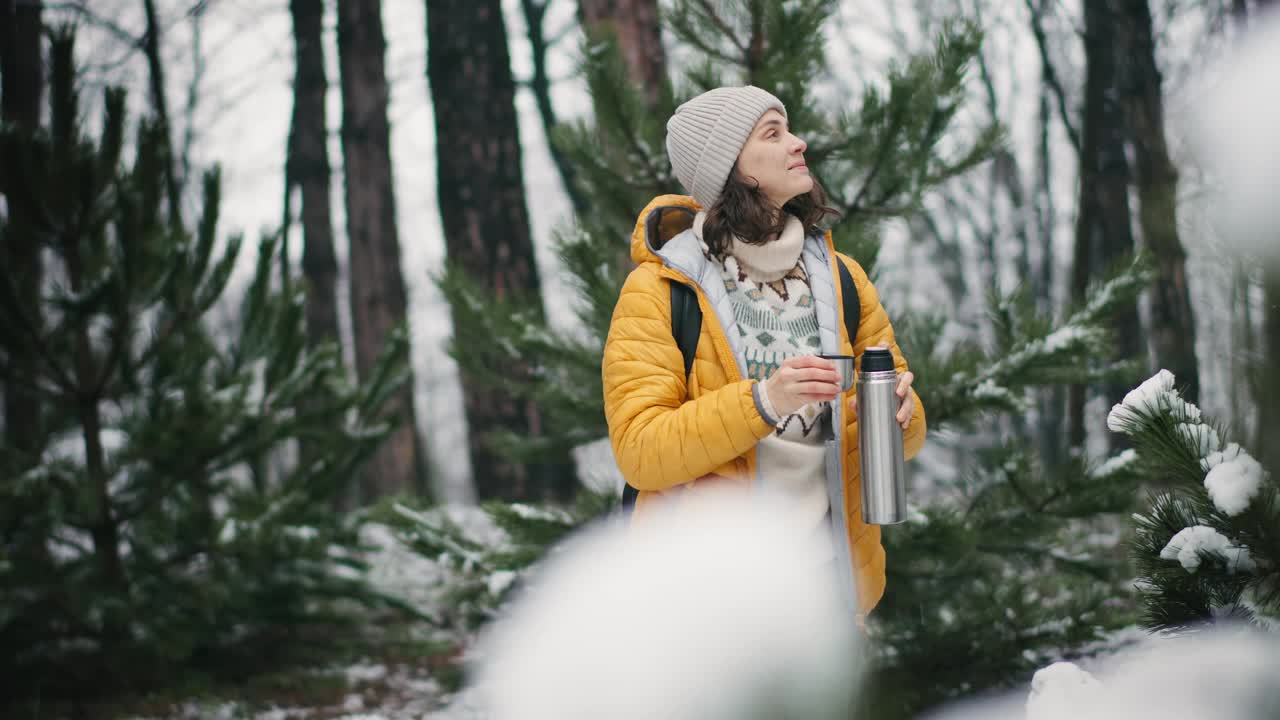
[{"x": 884, "y": 473}]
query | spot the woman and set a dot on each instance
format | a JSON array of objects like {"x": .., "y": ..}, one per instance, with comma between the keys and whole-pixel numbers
[{"x": 757, "y": 408}]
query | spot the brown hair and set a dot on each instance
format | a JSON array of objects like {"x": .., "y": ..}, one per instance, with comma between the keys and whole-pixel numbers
[{"x": 743, "y": 211}]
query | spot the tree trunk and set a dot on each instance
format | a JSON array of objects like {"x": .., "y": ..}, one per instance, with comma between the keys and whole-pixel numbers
[
  {"x": 308, "y": 167},
  {"x": 1103, "y": 231},
  {"x": 1265, "y": 379},
  {"x": 22, "y": 73},
  {"x": 1052, "y": 400},
  {"x": 1242, "y": 344},
  {"x": 1173, "y": 329},
  {"x": 104, "y": 529},
  {"x": 378, "y": 297},
  {"x": 482, "y": 208},
  {"x": 636, "y": 26},
  {"x": 1260, "y": 364}
]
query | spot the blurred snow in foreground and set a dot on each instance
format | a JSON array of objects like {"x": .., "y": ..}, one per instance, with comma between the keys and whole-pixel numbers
[
  {"x": 1222, "y": 674},
  {"x": 712, "y": 611}
]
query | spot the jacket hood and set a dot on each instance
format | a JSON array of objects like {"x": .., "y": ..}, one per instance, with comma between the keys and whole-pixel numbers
[{"x": 662, "y": 219}]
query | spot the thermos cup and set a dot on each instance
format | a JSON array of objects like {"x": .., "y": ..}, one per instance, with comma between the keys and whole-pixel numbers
[
  {"x": 884, "y": 474},
  {"x": 844, "y": 369}
]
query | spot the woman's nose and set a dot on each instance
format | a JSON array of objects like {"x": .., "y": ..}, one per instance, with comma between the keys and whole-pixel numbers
[{"x": 800, "y": 146}]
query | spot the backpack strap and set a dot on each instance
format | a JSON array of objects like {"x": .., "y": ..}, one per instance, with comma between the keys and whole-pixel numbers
[
  {"x": 686, "y": 322},
  {"x": 852, "y": 303},
  {"x": 686, "y": 328}
]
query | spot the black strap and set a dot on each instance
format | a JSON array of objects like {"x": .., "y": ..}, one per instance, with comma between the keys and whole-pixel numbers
[
  {"x": 686, "y": 322},
  {"x": 686, "y": 327},
  {"x": 852, "y": 303},
  {"x": 629, "y": 495}
]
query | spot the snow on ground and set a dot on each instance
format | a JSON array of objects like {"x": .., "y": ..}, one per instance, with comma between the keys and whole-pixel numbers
[{"x": 1224, "y": 674}]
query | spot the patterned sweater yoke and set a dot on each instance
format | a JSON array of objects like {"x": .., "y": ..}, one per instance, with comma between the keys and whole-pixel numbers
[{"x": 773, "y": 307}]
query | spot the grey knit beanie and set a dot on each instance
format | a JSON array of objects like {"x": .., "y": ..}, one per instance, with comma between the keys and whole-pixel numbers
[{"x": 706, "y": 133}]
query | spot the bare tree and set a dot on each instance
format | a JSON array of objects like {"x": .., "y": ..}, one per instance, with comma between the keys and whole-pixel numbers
[
  {"x": 1037, "y": 10},
  {"x": 1264, "y": 380},
  {"x": 482, "y": 206},
  {"x": 1172, "y": 324},
  {"x": 1269, "y": 386},
  {"x": 378, "y": 297},
  {"x": 307, "y": 168},
  {"x": 1043, "y": 276},
  {"x": 540, "y": 44},
  {"x": 1103, "y": 230}
]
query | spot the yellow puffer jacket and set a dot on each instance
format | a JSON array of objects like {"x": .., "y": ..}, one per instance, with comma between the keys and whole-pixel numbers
[{"x": 671, "y": 436}]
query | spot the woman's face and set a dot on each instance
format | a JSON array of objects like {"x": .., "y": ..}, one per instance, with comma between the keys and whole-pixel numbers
[{"x": 774, "y": 158}]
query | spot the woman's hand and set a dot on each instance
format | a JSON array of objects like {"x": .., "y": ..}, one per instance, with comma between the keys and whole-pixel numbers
[
  {"x": 906, "y": 408},
  {"x": 802, "y": 380}
]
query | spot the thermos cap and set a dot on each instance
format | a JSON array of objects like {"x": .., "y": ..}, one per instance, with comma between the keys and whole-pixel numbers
[{"x": 876, "y": 360}]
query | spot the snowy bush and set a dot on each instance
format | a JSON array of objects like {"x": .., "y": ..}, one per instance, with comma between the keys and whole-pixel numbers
[{"x": 1209, "y": 545}]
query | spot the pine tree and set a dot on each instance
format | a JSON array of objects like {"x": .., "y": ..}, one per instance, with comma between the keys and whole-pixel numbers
[
  {"x": 172, "y": 538},
  {"x": 1000, "y": 572},
  {"x": 1019, "y": 562}
]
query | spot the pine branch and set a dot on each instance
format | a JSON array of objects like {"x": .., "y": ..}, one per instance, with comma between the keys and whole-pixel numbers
[{"x": 709, "y": 12}]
